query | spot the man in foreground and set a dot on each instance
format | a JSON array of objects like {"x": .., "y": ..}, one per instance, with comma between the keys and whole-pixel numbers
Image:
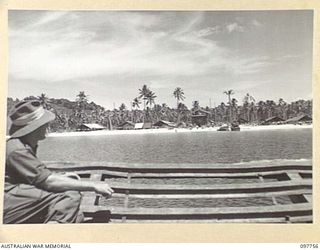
[{"x": 33, "y": 193}]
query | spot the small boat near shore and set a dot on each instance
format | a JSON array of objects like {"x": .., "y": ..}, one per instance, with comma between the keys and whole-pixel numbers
[
  {"x": 235, "y": 127},
  {"x": 232, "y": 127},
  {"x": 224, "y": 128}
]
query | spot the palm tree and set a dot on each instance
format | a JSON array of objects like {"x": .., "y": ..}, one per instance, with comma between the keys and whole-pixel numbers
[
  {"x": 221, "y": 112},
  {"x": 143, "y": 94},
  {"x": 144, "y": 91},
  {"x": 229, "y": 93},
  {"x": 247, "y": 110},
  {"x": 195, "y": 105},
  {"x": 43, "y": 98},
  {"x": 282, "y": 109},
  {"x": 179, "y": 95},
  {"x": 234, "y": 107},
  {"x": 270, "y": 108},
  {"x": 261, "y": 112},
  {"x": 150, "y": 100},
  {"x": 82, "y": 99},
  {"x": 136, "y": 102},
  {"x": 182, "y": 112},
  {"x": 150, "y": 97},
  {"x": 122, "y": 107},
  {"x": 252, "y": 112}
]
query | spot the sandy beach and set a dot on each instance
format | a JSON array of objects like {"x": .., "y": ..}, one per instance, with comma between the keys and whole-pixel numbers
[{"x": 179, "y": 130}]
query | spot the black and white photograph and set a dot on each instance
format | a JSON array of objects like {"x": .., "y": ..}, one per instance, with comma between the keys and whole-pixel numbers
[{"x": 159, "y": 116}]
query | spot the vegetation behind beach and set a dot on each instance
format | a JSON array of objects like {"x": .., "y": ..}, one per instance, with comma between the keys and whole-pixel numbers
[{"x": 144, "y": 108}]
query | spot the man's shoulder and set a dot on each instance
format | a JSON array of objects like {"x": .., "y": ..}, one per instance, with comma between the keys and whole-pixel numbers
[{"x": 13, "y": 145}]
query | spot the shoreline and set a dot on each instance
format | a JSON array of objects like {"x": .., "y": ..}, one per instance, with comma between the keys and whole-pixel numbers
[{"x": 178, "y": 130}]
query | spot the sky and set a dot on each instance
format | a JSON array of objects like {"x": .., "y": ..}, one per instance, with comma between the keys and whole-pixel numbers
[{"x": 111, "y": 54}]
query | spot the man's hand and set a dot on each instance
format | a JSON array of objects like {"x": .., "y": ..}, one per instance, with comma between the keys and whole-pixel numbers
[
  {"x": 62, "y": 183},
  {"x": 104, "y": 189}
]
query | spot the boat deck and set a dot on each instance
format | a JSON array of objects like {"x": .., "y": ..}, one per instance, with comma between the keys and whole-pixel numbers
[{"x": 265, "y": 192}]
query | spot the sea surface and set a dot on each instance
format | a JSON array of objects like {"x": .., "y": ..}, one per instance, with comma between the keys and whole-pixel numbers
[{"x": 200, "y": 147}]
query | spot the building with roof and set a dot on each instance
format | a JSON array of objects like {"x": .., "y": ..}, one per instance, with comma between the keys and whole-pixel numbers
[
  {"x": 138, "y": 125},
  {"x": 141, "y": 125},
  {"x": 147, "y": 125},
  {"x": 127, "y": 125},
  {"x": 90, "y": 127},
  {"x": 299, "y": 119},
  {"x": 164, "y": 124},
  {"x": 200, "y": 117},
  {"x": 272, "y": 120}
]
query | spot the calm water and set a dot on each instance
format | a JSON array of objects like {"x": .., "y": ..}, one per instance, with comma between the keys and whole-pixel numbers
[{"x": 201, "y": 147}]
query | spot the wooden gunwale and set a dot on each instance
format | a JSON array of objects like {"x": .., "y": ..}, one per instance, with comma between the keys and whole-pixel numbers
[
  {"x": 216, "y": 196},
  {"x": 116, "y": 174},
  {"x": 180, "y": 168},
  {"x": 227, "y": 188}
]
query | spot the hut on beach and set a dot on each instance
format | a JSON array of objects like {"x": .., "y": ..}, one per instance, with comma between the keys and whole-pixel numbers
[
  {"x": 141, "y": 125},
  {"x": 138, "y": 125},
  {"x": 300, "y": 119},
  {"x": 90, "y": 127},
  {"x": 127, "y": 125},
  {"x": 147, "y": 125},
  {"x": 200, "y": 117},
  {"x": 164, "y": 124},
  {"x": 272, "y": 120}
]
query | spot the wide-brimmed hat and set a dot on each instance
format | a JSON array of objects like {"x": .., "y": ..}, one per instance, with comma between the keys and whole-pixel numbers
[{"x": 27, "y": 116}]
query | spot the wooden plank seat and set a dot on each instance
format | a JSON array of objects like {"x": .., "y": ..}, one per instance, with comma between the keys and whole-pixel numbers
[{"x": 272, "y": 181}]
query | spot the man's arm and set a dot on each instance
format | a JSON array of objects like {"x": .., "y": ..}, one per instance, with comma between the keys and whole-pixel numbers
[
  {"x": 29, "y": 169},
  {"x": 60, "y": 183}
]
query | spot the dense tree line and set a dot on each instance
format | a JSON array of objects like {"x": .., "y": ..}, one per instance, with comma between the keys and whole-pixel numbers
[{"x": 143, "y": 108}]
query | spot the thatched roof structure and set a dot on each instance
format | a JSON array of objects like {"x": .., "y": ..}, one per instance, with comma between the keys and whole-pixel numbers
[
  {"x": 163, "y": 123},
  {"x": 200, "y": 112},
  {"x": 127, "y": 125},
  {"x": 142, "y": 125},
  {"x": 273, "y": 119},
  {"x": 300, "y": 118},
  {"x": 90, "y": 127}
]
